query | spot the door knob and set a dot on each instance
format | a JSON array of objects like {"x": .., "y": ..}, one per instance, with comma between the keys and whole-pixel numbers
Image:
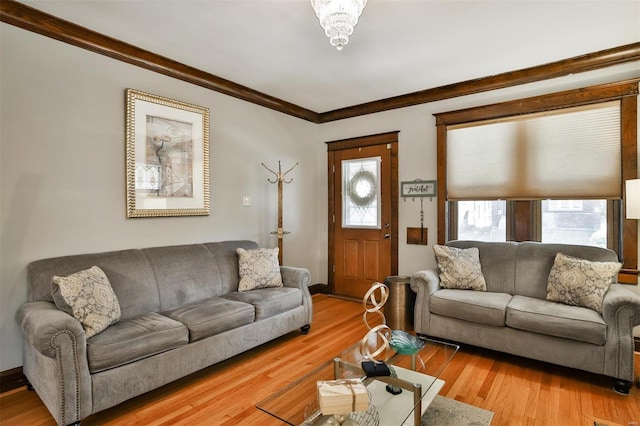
[{"x": 387, "y": 235}]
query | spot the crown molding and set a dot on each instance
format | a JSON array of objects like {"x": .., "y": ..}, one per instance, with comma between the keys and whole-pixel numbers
[
  {"x": 31, "y": 19},
  {"x": 574, "y": 65},
  {"x": 535, "y": 104}
]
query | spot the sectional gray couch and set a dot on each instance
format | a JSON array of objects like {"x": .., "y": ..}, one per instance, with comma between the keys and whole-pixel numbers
[
  {"x": 180, "y": 312},
  {"x": 513, "y": 315}
]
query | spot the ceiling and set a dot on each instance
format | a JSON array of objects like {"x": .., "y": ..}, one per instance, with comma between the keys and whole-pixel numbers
[{"x": 399, "y": 46}]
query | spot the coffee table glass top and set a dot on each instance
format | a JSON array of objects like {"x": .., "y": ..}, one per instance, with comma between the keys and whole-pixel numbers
[{"x": 298, "y": 402}]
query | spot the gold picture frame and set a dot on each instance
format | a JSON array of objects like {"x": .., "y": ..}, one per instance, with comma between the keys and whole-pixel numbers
[{"x": 167, "y": 157}]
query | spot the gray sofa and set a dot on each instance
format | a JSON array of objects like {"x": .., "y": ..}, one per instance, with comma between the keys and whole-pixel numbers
[
  {"x": 180, "y": 312},
  {"x": 513, "y": 315}
]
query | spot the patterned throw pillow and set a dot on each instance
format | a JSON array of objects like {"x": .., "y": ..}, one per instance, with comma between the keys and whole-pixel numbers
[
  {"x": 259, "y": 268},
  {"x": 460, "y": 268},
  {"x": 579, "y": 282},
  {"x": 88, "y": 297}
]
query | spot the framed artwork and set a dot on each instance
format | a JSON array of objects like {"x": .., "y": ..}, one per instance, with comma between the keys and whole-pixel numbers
[
  {"x": 167, "y": 157},
  {"x": 418, "y": 188}
]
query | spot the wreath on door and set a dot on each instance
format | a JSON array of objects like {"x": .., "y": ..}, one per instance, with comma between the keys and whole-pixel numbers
[{"x": 362, "y": 188}]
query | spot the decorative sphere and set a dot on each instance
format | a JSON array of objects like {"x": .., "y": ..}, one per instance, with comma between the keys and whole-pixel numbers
[
  {"x": 331, "y": 421},
  {"x": 340, "y": 417}
]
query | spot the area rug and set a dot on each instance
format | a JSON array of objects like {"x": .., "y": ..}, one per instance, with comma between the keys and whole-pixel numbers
[{"x": 449, "y": 412}]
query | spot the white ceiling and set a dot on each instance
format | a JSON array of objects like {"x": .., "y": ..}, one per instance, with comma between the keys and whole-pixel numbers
[{"x": 398, "y": 47}]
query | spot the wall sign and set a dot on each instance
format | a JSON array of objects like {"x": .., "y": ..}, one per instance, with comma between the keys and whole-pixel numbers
[{"x": 418, "y": 188}]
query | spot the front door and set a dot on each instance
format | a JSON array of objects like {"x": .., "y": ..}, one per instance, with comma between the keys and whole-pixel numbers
[{"x": 363, "y": 222}]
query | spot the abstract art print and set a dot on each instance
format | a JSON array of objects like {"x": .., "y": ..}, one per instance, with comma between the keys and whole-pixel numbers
[{"x": 167, "y": 157}]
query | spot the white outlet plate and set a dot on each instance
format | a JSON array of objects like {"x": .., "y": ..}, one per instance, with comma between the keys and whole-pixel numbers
[{"x": 246, "y": 201}]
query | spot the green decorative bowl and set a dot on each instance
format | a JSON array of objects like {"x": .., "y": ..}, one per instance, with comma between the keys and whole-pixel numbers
[{"x": 405, "y": 343}]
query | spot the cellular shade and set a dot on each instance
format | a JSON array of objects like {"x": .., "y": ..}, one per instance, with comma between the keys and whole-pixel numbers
[{"x": 562, "y": 154}]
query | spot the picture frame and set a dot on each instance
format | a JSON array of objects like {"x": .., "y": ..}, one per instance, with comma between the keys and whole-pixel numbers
[
  {"x": 418, "y": 188},
  {"x": 167, "y": 157}
]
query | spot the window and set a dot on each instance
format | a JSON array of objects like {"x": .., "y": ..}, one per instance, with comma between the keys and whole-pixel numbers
[
  {"x": 361, "y": 193},
  {"x": 582, "y": 222},
  {"x": 482, "y": 220},
  {"x": 559, "y": 161},
  {"x": 574, "y": 222}
]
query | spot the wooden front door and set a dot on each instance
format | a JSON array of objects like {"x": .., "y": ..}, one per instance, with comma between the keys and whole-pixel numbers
[{"x": 363, "y": 214}]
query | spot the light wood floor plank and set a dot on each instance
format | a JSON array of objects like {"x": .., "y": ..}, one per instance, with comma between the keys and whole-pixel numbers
[{"x": 519, "y": 391}]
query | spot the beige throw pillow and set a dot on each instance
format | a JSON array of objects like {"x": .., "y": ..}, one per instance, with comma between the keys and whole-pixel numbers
[
  {"x": 580, "y": 282},
  {"x": 259, "y": 268},
  {"x": 88, "y": 297},
  {"x": 460, "y": 268}
]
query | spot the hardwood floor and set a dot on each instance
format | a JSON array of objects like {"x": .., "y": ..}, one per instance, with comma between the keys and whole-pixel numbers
[{"x": 517, "y": 390}]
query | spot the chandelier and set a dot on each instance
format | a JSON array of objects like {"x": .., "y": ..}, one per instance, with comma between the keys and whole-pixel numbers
[{"x": 338, "y": 17}]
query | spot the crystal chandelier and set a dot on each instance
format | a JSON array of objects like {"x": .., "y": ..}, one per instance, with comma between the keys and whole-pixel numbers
[{"x": 338, "y": 17}]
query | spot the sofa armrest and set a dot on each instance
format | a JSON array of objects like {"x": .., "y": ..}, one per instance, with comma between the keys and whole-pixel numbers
[
  {"x": 299, "y": 278},
  {"x": 427, "y": 281},
  {"x": 620, "y": 303},
  {"x": 424, "y": 283},
  {"x": 44, "y": 327},
  {"x": 621, "y": 312},
  {"x": 295, "y": 277},
  {"x": 55, "y": 360}
]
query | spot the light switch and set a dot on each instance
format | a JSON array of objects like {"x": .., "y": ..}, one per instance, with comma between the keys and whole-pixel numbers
[{"x": 246, "y": 201}]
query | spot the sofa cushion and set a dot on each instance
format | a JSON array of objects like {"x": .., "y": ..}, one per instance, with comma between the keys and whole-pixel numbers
[
  {"x": 88, "y": 297},
  {"x": 225, "y": 256},
  {"x": 212, "y": 316},
  {"x": 460, "y": 268},
  {"x": 133, "y": 339},
  {"x": 556, "y": 319},
  {"x": 497, "y": 260},
  {"x": 478, "y": 307},
  {"x": 185, "y": 274},
  {"x": 580, "y": 282},
  {"x": 259, "y": 268},
  {"x": 129, "y": 273},
  {"x": 269, "y": 301},
  {"x": 535, "y": 260}
]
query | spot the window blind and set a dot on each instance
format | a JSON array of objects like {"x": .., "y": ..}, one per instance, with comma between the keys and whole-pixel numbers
[{"x": 562, "y": 154}]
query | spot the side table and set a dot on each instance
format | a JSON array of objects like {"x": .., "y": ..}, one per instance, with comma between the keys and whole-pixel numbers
[{"x": 399, "y": 308}]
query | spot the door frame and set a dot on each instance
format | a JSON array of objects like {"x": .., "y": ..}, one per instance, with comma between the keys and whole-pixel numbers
[{"x": 389, "y": 138}]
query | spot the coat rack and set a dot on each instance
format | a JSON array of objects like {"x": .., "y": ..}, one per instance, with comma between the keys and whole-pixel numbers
[{"x": 279, "y": 179}]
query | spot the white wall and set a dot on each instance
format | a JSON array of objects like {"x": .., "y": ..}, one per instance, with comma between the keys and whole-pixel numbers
[
  {"x": 62, "y": 173},
  {"x": 62, "y": 168}
]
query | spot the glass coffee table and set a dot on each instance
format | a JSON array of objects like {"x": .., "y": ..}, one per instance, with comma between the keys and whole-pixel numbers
[{"x": 417, "y": 377}]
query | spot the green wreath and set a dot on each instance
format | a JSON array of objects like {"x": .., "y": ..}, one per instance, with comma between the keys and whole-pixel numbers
[{"x": 366, "y": 177}]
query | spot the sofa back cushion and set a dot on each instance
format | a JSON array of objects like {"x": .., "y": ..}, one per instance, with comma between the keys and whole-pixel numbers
[
  {"x": 498, "y": 262},
  {"x": 536, "y": 259},
  {"x": 189, "y": 273},
  {"x": 226, "y": 259},
  {"x": 128, "y": 271}
]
